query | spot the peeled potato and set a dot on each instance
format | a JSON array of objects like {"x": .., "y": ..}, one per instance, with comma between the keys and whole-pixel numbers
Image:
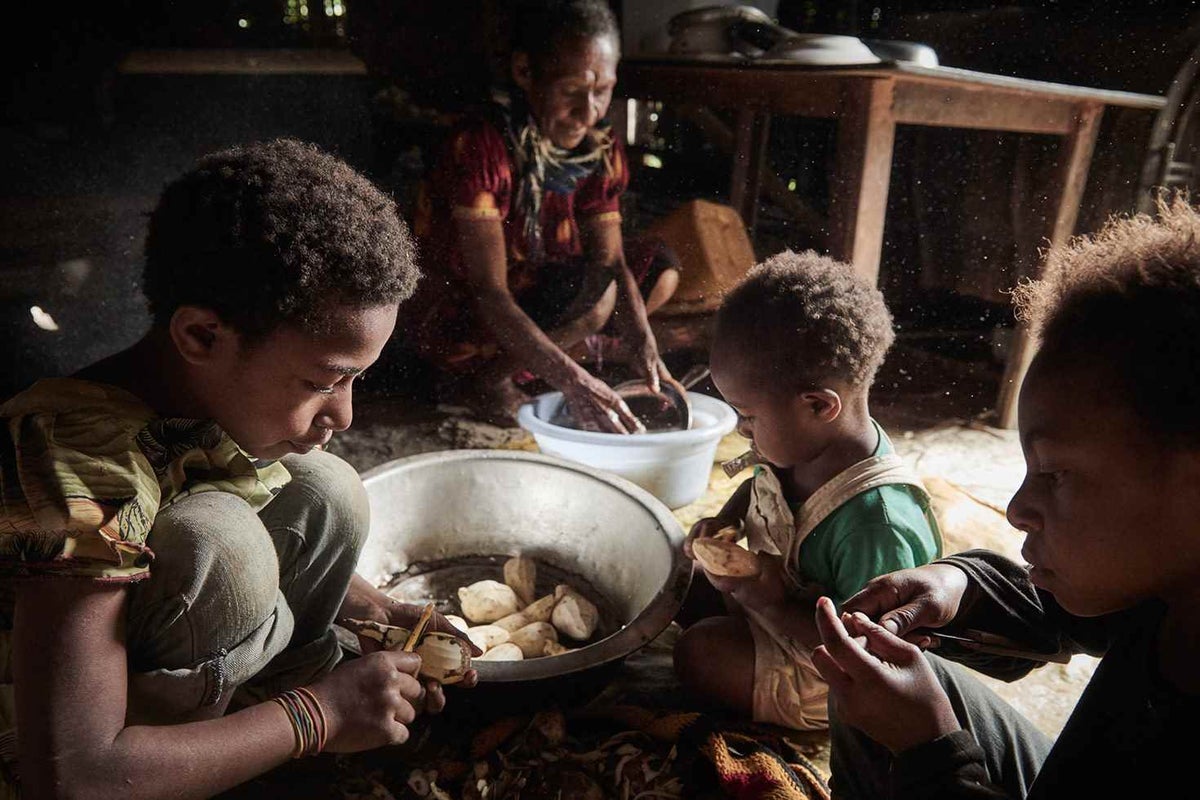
[
  {"x": 537, "y": 611},
  {"x": 487, "y": 601},
  {"x": 485, "y": 637},
  {"x": 725, "y": 559},
  {"x": 533, "y": 637},
  {"x": 574, "y": 615},
  {"x": 503, "y": 652},
  {"x": 458, "y": 622},
  {"x": 520, "y": 573}
]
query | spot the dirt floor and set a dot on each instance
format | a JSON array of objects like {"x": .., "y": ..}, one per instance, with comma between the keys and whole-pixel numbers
[{"x": 936, "y": 410}]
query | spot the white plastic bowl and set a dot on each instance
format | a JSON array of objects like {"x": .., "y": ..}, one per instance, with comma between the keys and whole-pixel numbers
[{"x": 674, "y": 466}]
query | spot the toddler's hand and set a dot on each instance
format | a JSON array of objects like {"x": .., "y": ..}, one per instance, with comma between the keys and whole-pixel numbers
[{"x": 768, "y": 589}]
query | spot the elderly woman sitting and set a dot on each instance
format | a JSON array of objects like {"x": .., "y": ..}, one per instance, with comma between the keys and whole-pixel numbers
[{"x": 520, "y": 232}]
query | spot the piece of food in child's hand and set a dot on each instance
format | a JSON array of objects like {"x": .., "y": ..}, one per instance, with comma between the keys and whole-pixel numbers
[
  {"x": 503, "y": 652},
  {"x": 537, "y": 611},
  {"x": 574, "y": 615},
  {"x": 725, "y": 558},
  {"x": 730, "y": 533},
  {"x": 485, "y": 637},
  {"x": 487, "y": 601},
  {"x": 520, "y": 573},
  {"x": 533, "y": 637}
]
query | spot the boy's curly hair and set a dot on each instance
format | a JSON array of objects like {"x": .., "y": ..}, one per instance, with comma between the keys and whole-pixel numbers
[
  {"x": 275, "y": 232},
  {"x": 804, "y": 319},
  {"x": 1128, "y": 297}
]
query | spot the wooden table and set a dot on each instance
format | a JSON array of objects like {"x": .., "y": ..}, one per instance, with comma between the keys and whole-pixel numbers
[{"x": 868, "y": 103}]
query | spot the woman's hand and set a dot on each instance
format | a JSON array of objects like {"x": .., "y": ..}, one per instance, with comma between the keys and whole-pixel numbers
[
  {"x": 595, "y": 405},
  {"x": 643, "y": 351},
  {"x": 880, "y": 683},
  {"x": 637, "y": 340},
  {"x": 921, "y": 597},
  {"x": 370, "y": 701}
]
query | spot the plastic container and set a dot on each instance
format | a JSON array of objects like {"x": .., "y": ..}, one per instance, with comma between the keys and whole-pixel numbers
[{"x": 674, "y": 466}]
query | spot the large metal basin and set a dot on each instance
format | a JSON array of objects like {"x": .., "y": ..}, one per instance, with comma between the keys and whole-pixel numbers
[{"x": 466, "y": 504}]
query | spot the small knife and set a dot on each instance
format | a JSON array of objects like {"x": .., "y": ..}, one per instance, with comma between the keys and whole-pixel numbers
[{"x": 984, "y": 642}]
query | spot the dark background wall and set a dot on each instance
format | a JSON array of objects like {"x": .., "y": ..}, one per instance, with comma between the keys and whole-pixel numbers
[{"x": 85, "y": 147}]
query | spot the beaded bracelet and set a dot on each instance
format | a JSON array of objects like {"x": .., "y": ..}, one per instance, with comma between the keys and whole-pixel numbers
[
  {"x": 308, "y": 721},
  {"x": 319, "y": 716}
]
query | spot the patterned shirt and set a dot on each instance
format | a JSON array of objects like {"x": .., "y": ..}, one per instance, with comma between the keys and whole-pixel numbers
[
  {"x": 475, "y": 178},
  {"x": 85, "y": 467}
]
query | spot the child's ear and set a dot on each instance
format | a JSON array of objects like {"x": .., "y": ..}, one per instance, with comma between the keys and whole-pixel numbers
[
  {"x": 200, "y": 335},
  {"x": 522, "y": 71},
  {"x": 824, "y": 404}
]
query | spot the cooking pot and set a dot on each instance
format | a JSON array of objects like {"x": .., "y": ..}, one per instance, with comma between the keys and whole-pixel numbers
[{"x": 459, "y": 513}]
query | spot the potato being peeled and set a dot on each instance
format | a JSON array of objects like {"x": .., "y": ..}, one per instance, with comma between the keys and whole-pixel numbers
[
  {"x": 444, "y": 658},
  {"x": 487, "y": 601}
]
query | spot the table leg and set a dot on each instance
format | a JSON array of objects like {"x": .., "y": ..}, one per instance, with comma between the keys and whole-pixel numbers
[
  {"x": 866, "y": 133},
  {"x": 749, "y": 158},
  {"x": 1072, "y": 180},
  {"x": 806, "y": 218}
]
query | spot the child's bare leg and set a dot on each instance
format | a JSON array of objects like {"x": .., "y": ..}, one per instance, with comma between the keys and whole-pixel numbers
[
  {"x": 714, "y": 659},
  {"x": 702, "y": 601}
]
